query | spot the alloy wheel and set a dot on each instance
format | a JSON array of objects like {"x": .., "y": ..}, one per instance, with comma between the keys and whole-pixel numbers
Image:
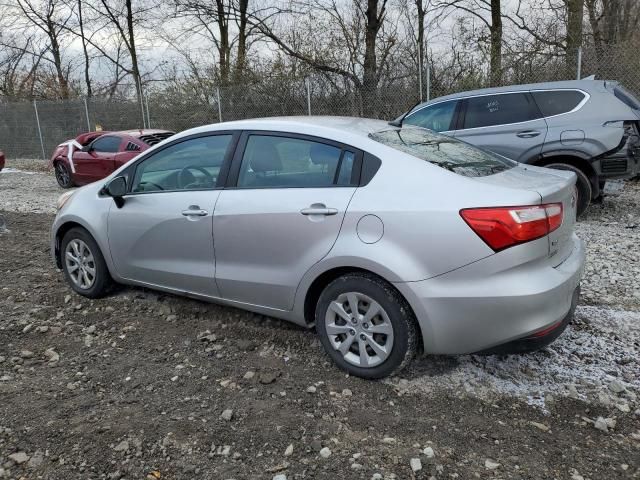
[
  {"x": 360, "y": 329},
  {"x": 80, "y": 264},
  {"x": 62, "y": 175}
]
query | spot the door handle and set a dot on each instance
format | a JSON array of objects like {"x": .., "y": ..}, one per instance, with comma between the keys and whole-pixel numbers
[
  {"x": 319, "y": 211},
  {"x": 528, "y": 134},
  {"x": 194, "y": 211}
]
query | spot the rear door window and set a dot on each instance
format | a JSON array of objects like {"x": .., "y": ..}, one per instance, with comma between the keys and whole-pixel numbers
[
  {"x": 274, "y": 161},
  {"x": 557, "y": 102},
  {"x": 504, "y": 109},
  {"x": 446, "y": 152},
  {"x": 438, "y": 117}
]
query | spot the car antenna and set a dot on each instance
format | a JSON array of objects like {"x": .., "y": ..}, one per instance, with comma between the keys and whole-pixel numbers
[{"x": 398, "y": 121}]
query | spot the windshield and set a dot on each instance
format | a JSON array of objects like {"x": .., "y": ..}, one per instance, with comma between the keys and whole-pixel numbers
[{"x": 446, "y": 152}]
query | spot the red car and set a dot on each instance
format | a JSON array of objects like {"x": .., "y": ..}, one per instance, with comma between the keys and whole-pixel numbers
[
  {"x": 94, "y": 155},
  {"x": 1, "y": 160}
]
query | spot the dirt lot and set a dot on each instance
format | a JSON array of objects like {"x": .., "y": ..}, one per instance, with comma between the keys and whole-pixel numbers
[{"x": 146, "y": 385}]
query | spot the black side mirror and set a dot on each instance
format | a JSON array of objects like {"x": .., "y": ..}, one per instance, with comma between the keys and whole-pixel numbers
[
  {"x": 117, "y": 188},
  {"x": 87, "y": 148}
]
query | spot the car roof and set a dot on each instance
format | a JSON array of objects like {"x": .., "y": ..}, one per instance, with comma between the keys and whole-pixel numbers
[
  {"x": 321, "y": 126},
  {"x": 140, "y": 133},
  {"x": 587, "y": 85}
]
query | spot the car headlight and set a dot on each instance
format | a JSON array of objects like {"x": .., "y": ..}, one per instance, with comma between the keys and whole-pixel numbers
[{"x": 62, "y": 199}]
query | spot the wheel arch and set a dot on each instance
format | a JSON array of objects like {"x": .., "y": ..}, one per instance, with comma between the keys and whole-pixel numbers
[
  {"x": 67, "y": 225},
  {"x": 321, "y": 280},
  {"x": 576, "y": 160},
  {"x": 59, "y": 235}
]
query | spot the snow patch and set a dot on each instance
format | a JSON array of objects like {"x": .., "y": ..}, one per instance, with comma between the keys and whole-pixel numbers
[
  {"x": 599, "y": 346},
  {"x": 15, "y": 170}
]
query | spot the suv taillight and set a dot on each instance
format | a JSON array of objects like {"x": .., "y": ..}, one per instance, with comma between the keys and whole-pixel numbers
[{"x": 504, "y": 227}]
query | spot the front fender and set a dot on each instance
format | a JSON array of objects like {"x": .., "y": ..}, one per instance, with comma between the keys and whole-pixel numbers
[{"x": 84, "y": 211}]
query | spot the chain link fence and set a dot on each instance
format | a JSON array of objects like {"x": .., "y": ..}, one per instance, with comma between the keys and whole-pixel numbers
[{"x": 34, "y": 129}]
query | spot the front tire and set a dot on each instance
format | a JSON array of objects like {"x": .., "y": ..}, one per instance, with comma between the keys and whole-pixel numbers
[
  {"x": 63, "y": 175},
  {"x": 583, "y": 185},
  {"x": 83, "y": 265},
  {"x": 379, "y": 339}
]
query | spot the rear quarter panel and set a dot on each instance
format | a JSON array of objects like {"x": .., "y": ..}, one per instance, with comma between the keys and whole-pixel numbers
[
  {"x": 418, "y": 204},
  {"x": 601, "y": 107}
]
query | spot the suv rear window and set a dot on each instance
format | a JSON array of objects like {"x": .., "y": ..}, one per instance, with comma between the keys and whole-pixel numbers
[
  {"x": 558, "y": 101},
  {"x": 626, "y": 97},
  {"x": 446, "y": 152}
]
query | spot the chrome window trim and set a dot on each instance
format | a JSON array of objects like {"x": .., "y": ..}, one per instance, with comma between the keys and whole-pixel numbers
[
  {"x": 586, "y": 98},
  {"x": 432, "y": 105}
]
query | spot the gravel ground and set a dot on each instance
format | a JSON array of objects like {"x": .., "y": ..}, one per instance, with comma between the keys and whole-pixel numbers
[{"x": 147, "y": 385}]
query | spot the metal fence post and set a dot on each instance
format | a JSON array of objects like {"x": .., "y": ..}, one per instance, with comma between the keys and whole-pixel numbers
[
  {"x": 219, "y": 104},
  {"x": 428, "y": 81},
  {"x": 35, "y": 107},
  {"x": 146, "y": 101},
  {"x": 420, "y": 74},
  {"x": 306, "y": 82},
  {"x": 144, "y": 125},
  {"x": 86, "y": 112},
  {"x": 579, "y": 73}
]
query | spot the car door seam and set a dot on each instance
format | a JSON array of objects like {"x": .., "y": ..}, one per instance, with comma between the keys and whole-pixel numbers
[{"x": 344, "y": 216}]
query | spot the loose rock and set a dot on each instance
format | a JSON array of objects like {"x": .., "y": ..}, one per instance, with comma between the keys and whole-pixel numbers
[
  {"x": 491, "y": 464},
  {"x": 227, "y": 415},
  {"x": 19, "y": 457}
]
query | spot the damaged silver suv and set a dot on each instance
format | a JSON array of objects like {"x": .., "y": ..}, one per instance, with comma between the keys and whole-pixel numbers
[{"x": 590, "y": 127}]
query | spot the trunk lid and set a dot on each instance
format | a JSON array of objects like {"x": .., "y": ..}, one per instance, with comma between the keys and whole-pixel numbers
[{"x": 553, "y": 186}]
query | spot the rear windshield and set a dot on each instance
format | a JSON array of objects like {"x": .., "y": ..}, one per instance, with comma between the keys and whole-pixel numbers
[
  {"x": 446, "y": 152},
  {"x": 626, "y": 97}
]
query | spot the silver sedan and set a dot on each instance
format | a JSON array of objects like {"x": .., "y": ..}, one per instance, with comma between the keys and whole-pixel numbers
[{"x": 389, "y": 240}]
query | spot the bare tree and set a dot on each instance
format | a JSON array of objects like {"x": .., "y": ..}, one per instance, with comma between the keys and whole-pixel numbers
[
  {"x": 123, "y": 19},
  {"x": 489, "y": 12},
  {"x": 223, "y": 23},
  {"x": 575, "y": 17},
  {"x": 612, "y": 21},
  {"x": 83, "y": 39},
  {"x": 355, "y": 44},
  {"x": 555, "y": 23},
  {"x": 48, "y": 17}
]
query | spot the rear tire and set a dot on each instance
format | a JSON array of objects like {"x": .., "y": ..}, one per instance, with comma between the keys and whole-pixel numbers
[
  {"x": 583, "y": 185},
  {"x": 385, "y": 327},
  {"x": 63, "y": 175},
  {"x": 83, "y": 265}
]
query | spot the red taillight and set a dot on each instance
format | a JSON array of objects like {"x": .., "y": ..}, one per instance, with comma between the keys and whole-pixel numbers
[{"x": 504, "y": 227}]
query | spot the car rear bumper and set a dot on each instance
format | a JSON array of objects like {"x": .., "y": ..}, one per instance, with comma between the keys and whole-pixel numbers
[
  {"x": 461, "y": 313},
  {"x": 620, "y": 165}
]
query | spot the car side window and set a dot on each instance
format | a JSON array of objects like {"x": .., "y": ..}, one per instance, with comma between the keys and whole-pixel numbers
[
  {"x": 107, "y": 144},
  {"x": 281, "y": 162},
  {"x": 556, "y": 102},
  {"x": 193, "y": 164},
  {"x": 491, "y": 110},
  {"x": 436, "y": 117}
]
